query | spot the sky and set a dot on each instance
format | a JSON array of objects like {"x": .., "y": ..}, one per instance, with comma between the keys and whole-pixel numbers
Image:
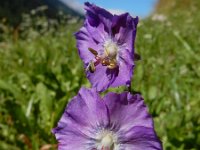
[{"x": 141, "y": 8}]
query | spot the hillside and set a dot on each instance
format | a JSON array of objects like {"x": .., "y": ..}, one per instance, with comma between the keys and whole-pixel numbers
[
  {"x": 171, "y": 6},
  {"x": 12, "y": 11}
]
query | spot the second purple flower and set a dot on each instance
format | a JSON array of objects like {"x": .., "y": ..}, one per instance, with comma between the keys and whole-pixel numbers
[
  {"x": 114, "y": 122},
  {"x": 106, "y": 46}
]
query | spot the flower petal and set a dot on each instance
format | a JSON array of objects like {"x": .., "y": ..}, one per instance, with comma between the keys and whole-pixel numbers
[
  {"x": 126, "y": 66},
  {"x": 96, "y": 15},
  {"x": 85, "y": 41},
  {"x": 98, "y": 34},
  {"x": 102, "y": 78},
  {"x": 76, "y": 126},
  {"x": 127, "y": 111},
  {"x": 139, "y": 138},
  {"x": 124, "y": 28}
]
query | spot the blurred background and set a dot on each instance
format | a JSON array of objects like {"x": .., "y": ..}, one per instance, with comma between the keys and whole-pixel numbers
[{"x": 40, "y": 68}]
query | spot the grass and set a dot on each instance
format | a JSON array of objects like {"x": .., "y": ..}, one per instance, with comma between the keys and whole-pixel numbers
[
  {"x": 168, "y": 77},
  {"x": 40, "y": 71}
]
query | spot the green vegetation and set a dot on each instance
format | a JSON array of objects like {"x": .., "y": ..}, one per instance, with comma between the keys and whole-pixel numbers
[{"x": 40, "y": 71}]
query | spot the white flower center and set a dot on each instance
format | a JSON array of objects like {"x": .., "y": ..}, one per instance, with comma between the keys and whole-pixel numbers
[
  {"x": 107, "y": 140},
  {"x": 110, "y": 49}
]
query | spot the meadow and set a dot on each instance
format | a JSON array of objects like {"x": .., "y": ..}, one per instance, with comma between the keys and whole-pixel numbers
[{"x": 40, "y": 71}]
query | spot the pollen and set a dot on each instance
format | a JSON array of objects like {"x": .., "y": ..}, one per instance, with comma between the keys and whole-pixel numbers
[
  {"x": 107, "y": 57},
  {"x": 110, "y": 49}
]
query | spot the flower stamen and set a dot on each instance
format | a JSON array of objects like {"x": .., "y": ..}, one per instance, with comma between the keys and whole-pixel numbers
[{"x": 108, "y": 60}]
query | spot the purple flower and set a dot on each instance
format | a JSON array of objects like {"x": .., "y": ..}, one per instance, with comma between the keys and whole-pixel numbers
[
  {"x": 106, "y": 46},
  {"x": 115, "y": 122}
]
